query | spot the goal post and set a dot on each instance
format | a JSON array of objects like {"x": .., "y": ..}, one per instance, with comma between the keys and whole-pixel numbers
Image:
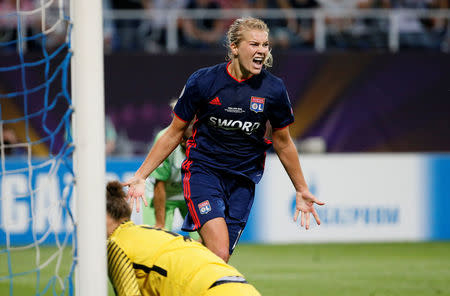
[
  {"x": 89, "y": 139},
  {"x": 52, "y": 149}
]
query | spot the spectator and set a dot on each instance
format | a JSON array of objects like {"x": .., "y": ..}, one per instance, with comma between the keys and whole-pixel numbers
[
  {"x": 372, "y": 32},
  {"x": 206, "y": 32},
  {"x": 303, "y": 27},
  {"x": 9, "y": 140},
  {"x": 242, "y": 5},
  {"x": 110, "y": 136},
  {"x": 235, "y": 4},
  {"x": 282, "y": 30},
  {"x": 127, "y": 37},
  {"x": 156, "y": 29},
  {"x": 441, "y": 25},
  {"x": 339, "y": 29},
  {"x": 53, "y": 19},
  {"x": 348, "y": 32},
  {"x": 437, "y": 27},
  {"x": 108, "y": 28},
  {"x": 416, "y": 32},
  {"x": 8, "y": 24}
]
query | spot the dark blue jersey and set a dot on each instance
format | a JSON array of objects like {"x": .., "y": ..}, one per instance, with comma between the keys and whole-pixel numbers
[{"x": 228, "y": 134}]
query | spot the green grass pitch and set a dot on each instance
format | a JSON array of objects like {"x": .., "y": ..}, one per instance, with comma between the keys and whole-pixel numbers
[{"x": 409, "y": 269}]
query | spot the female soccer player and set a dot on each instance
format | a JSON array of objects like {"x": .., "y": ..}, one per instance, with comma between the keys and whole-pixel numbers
[
  {"x": 143, "y": 260},
  {"x": 225, "y": 156}
]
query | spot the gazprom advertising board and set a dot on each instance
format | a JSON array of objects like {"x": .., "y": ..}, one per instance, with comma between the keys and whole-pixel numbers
[{"x": 369, "y": 197}]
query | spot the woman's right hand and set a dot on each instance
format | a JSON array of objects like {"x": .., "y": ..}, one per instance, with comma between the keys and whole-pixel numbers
[{"x": 136, "y": 190}]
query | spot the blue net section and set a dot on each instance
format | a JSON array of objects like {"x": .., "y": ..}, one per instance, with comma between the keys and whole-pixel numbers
[{"x": 37, "y": 226}]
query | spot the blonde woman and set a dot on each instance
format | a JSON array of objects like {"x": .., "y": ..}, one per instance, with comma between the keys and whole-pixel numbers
[{"x": 225, "y": 156}]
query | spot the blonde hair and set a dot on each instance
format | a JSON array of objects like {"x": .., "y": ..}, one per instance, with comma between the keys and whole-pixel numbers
[
  {"x": 234, "y": 34},
  {"x": 173, "y": 102}
]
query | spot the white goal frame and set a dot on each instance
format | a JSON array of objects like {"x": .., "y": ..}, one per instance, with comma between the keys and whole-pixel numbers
[{"x": 89, "y": 138}]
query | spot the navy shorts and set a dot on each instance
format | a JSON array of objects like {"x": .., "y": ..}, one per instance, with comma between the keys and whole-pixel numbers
[{"x": 210, "y": 194}]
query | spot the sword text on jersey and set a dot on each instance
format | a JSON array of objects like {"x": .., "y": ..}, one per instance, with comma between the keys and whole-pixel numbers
[{"x": 228, "y": 124}]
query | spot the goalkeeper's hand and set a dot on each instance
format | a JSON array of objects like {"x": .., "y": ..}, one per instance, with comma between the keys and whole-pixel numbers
[
  {"x": 136, "y": 190},
  {"x": 304, "y": 203}
]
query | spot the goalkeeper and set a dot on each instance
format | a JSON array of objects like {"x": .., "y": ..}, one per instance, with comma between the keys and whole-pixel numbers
[
  {"x": 143, "y": 260},
  {"x": 163, "y": 188}
]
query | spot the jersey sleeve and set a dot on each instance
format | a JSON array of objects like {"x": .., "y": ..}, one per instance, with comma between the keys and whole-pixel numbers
[
  {"x": 121, "y": 272},
  {"x": 189, "y": 100},
  {"x": 280, "y": 113}
]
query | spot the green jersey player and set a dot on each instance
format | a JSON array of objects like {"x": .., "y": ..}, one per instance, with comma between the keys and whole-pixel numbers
[{"x": 164, "y": 190}]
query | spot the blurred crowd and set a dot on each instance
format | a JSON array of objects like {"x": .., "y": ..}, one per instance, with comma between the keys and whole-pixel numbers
[
  {"x": 149, "y": 33},
  {"x": 287, "y": 31}
]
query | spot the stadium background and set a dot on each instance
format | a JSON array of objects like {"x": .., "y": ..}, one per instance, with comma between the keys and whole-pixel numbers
[
  {"x": 369, "y": 102},
  {"x": 372, "y": 129}
]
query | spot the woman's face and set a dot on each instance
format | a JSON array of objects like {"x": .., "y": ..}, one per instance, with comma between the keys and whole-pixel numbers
[{"x": 252, "y": 51}]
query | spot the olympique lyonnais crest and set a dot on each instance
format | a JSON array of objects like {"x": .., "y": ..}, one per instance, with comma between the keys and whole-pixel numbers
[
  {"x": 257, "y": 104},
  {"x": 204, "y": 207}
]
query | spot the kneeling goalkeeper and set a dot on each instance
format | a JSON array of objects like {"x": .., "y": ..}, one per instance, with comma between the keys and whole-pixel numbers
[{"x": 144, "y": 260}]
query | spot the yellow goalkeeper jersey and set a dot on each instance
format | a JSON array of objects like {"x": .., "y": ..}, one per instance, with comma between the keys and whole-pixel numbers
[{"x": 148, "y": 261}]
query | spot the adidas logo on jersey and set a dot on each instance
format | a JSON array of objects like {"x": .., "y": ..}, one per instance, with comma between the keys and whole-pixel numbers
[{"x": 215, "y": 101}]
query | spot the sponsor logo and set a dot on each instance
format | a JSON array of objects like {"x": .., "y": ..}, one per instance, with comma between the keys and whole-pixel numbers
[
  {"x": 257, "y": 104},
  {"x": 360, "y": 215},
  {"x": 356, "y": 215},
  {"x": 215, "y": 101},
  {"x": 204, "y": 207},
  {"x": 228, "y": 124},
  {"x": 234, "y": 110}
]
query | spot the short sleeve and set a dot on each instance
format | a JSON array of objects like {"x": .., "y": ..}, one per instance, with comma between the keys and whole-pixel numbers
[
  {"x": 188, "y": 102},
  {"x": 280, "y": 112}
]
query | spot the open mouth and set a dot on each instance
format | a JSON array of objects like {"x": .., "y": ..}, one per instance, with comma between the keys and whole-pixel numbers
[{"x": 258, "y": 60}]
